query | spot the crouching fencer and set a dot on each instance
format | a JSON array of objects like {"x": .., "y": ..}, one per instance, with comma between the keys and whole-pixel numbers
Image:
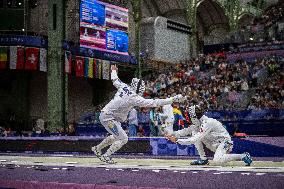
[
  {"x": 189, "y": 131},
  {"x": 117, "y": 109},
  {"x": 215, "y": 137}
]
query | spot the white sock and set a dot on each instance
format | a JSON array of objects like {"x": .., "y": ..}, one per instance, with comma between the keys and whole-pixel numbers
[
  {"x": 115, "y": 147},
  {"x": 232, "y": 157}
]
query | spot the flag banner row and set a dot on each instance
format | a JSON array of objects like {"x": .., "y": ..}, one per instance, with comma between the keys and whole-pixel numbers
[
  {"x": 23, "y": 58},
  {"x": 87, "y": 67},
  {"x": 32, "y": 58}
]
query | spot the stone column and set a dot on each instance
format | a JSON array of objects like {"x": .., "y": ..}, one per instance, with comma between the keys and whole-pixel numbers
[
  {"x": 191, "y": 19},
  {"x": 232, "y": 10},
  {"x": 56, "y": 87},
  {"x": 137, "y": 14}
]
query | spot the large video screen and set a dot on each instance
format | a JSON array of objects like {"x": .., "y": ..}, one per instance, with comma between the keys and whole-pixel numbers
[{"x": 103, "y": 27}]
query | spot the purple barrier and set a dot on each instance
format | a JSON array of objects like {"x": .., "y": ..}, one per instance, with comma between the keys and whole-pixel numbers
[{"x": 250, "y": 56}]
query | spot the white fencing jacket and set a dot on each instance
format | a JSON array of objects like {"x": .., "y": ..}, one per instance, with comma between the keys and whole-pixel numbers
[
  {"x": 211, "y": 133},
  {"x": 126, "y": 98}
]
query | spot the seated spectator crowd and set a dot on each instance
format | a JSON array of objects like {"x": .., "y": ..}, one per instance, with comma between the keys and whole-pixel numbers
[{"x": 225, "y": 86}]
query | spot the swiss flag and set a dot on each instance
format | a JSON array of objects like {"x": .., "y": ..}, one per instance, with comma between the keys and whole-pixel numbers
[
  {"x": 31, "y": 58},
  {"x": 79, "y": 67}
]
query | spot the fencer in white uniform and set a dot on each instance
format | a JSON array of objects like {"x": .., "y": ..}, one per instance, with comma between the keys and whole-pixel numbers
[
  {"x": 190, "y": 131},
  {"x": 216, "y": 138},
  {"x": 117, "y": 109}
]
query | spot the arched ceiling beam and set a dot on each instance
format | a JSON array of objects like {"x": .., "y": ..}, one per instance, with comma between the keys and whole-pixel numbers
[
  {"x": 246, "y": 14},
  {"x": 203, "y": 8},
  {"x": 199, "y": 3}
]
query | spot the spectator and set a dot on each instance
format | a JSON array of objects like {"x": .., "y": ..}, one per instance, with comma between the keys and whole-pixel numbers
[
  {"x": 144, "y": 120},
  {"x": 7, "y": 132},
  {"x": 155, "y": 121},
  {"x": 70, "y": 130},
  {"x": 141, "y": 131},
  {"x": 244, "y": 85},
  {"x": 132, "y": 123}
]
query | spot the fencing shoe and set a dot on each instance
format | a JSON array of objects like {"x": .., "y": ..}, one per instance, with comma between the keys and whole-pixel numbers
[
  {"x": 200, "y": 162},
  {"x": 247, "y": 159},
  {"x": 108, "y": 159},
  {"x": 98, "y": 153}
]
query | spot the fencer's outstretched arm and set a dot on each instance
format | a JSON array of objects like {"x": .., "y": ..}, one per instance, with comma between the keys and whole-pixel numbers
[
  {"x": 183, "y": 132},
  {"x": 115, "y": 80},
  {"x": 142, "y": 102},
  {"x": 195, "y": 138}
]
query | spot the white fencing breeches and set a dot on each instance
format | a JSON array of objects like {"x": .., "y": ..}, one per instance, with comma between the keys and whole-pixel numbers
[
  {"x": 118, "y": 136},
  {"x": 221, "y": 155}
]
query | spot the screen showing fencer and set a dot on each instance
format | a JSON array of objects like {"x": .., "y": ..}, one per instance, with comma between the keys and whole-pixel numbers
[{"x": 103, "y": 27}]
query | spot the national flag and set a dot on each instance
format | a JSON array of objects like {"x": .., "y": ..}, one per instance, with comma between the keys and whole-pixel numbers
[
  {"x": 68, "y": 62},
  {"x": 3, "y": 57},
  {"x": 42, "y": 60},
  {"x": 86, "y": 68},
  {"x": 95, "y": 68},
  {"x": 106, "y": 68},
  {"x": 178, "y": 117},
  {"x": 177, "y": 111},
  {"x": 89, "y": 67},
  {"x": 20, "y": 57},
  {"x": 79, "y": 68},
  {"x": 13, "y": 57},
  {"x": 100, "y": 68},
  {"x": 31, "y": 58}
]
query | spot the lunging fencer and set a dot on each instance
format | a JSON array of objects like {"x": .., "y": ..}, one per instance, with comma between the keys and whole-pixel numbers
[{"x": 117, "y": 109}]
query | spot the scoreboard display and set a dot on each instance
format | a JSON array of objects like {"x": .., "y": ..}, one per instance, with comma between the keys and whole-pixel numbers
[{"x": 103, "y": 27}]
